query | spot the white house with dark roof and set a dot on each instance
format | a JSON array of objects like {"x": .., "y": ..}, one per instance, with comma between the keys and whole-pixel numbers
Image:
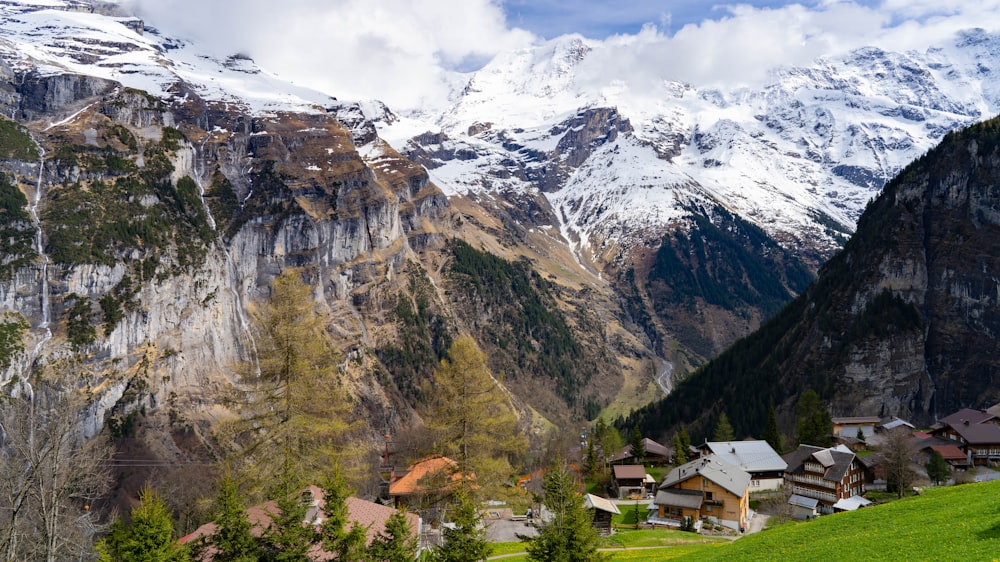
[{"x": 757, "y": 458}]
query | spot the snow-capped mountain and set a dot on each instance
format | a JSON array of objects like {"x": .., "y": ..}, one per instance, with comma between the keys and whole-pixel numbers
[
  {"x": 51, "y": 37},
  {"x": 800, "y": 156}
]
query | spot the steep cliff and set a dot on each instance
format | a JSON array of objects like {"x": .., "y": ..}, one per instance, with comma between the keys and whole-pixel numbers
[{"x": 903, "y": 321}]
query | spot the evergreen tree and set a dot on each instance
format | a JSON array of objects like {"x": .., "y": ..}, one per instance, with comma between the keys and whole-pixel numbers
[
  {"x": 232, "y": 540},
  {"x": 937, "y": 468},
  {"x": 288, "y": 538},
  {"x": 396, "y": 543},
  {"x": 723, "y": 429},
  {"x": 467, "y": 542},
  {"x": 682, "y": 446},
  {"x": 637, "y": 445},
  {"x": 291, "y": 402},
  {"x": 860, "y": 436},
  {"x": 471, "y": 417},
  {"x": 339, "y": 535},
  {"x": 149, "y": 537},
  {"x": 815, "y": 425},
  {"x": 771, "y": 433},
  {"x": 569, "y": 535}
]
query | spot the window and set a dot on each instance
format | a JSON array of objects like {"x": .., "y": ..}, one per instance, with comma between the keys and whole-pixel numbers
[{"x": 708, "y": 496}]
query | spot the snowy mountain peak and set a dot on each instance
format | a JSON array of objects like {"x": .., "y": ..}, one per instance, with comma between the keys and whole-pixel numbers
[{"x": 51, "y": 37}]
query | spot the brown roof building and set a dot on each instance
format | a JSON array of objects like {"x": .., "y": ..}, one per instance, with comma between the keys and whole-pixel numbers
[
  {"x": 975, "y": 432},
  {"x": 366, "y": 514}
]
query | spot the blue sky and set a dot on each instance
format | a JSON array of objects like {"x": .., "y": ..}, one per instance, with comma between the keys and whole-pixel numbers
[
  {"x": 598, "y": 19},
  {"x": 406, "y": 52}
]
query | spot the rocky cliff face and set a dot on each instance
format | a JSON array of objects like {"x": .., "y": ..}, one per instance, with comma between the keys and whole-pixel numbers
[{"x": 902, "y": 322}]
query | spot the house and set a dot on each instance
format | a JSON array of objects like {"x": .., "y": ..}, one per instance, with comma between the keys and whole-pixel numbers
[
  {"x": 757, "y": 458},
  {"x": 426, "y": 484},
  {"x": 893, "y": 424},
  {"x": 848, "y": 427},
  {"x": 975, "y": 432},
  {"x": 952, "y": 454},
  {"x": 656, "y": 454},
  {"x": 705, "y": 488},
  {"x": 603, "y": 509},
  {"x": 803, "y": 507},
  {"x": 827, "y": 475},
  {"x": 365, "y": 514},
  {"x": 628, "y": 480}
]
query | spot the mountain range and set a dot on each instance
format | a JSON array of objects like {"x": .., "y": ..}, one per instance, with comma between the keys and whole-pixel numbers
[{"x": 599, "y": 238}]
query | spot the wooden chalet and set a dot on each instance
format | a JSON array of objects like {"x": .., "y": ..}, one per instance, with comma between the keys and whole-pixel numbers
[{"x": 828, "y": 475}]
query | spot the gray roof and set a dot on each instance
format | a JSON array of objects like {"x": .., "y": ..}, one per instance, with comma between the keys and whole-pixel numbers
[
  {"x": 802, "y": 501},
  {"x": 590, "y": 501},
  {"x": 675, "y": 497},
  {"x": 836, "y": 460},
  {"x": 729, "y": 476},
  {"x": 751, "y": 456}
]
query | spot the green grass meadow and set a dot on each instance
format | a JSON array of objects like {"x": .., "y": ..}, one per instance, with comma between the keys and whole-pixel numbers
[{"x": 947, "y": 523}]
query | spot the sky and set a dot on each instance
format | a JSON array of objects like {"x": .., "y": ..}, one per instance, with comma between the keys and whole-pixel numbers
[{"x": 407, "y": 52}]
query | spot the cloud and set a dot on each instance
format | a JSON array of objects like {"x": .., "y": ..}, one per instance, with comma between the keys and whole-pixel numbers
[
  {"x": 400, "y": 51},
  {"x": 406, "y": 52}
]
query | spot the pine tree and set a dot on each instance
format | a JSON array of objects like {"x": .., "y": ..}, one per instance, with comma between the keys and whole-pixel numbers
[
  {"x": 288, "y": 538},
  {"x": 232, "y": 540},
  {"x": 467, "y": 542},
  {"x": 339, "y": 535},
  {"x": 680, "y": 451},
  {"x": 396, "y": 543},
  {"x": 149, "y": 537},
  {"x": 291, "y": 407},
  {"x": 471, "y": 417},
  {"x": 637, "y": 445},
  {"x": 937, "y": 468},
  {"x": 771, "y": 433},
  {"x": 815, "y": 425},
  {"x": 569, "y": 534},
  {"x": 723, "y": 429}
]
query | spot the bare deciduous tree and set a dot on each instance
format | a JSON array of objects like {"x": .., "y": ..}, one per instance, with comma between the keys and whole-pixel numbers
[{"x": 50, "y": 474}]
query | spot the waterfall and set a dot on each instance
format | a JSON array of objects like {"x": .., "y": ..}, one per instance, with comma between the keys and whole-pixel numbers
[
  {"x": 46, "y": 308},
  {"x": 198, "y": 171}
]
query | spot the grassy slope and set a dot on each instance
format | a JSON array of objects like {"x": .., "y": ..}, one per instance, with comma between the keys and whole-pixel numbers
[{"x": 955, "y": 523}]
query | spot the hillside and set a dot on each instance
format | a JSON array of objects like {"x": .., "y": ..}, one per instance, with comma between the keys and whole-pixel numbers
[
  {"x": 947, "y": 523},
  {"x": 901, "y": 322}
]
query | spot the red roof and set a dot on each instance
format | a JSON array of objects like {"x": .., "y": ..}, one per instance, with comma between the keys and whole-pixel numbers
[
  {"x": 949, "y": 452},
  {"x": 427, "y": 475},
  {"x": 360, "y": 512}
]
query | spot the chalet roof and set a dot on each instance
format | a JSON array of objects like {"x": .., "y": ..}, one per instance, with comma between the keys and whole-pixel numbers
[
  {"x": 416, "y": 478},
  {"x": 802, "y": 501},
  {"x": 836, "y": 460},
  {"x": 629, "y": 472},
  {"x": 851, "y": 503},
  {"x": 751, "y": 456},
  {"x": 893, "y": 423},
  {"x": 729, "y": 476},
  {"x": 676, "y": 497},
  {"x": 871, "y": 460},
  {"x": 978, "y": 433},
  {"x": 652, "y": 449},
  {"x": 949, "y": 452},
  {"x": 856, "y": 420},
  {"x": 368, "y": 515},
  {"x": 590, "y": 501},
  {"x": 966, "y": 415}
]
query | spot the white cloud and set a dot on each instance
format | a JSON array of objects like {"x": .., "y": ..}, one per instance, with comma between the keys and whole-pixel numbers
[
  {"x": 404, "y": 52},
  {"x": 399, "y": 51}
]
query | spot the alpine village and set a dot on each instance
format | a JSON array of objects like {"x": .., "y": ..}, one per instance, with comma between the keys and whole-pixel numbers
[{"x": 243, "y": 320}]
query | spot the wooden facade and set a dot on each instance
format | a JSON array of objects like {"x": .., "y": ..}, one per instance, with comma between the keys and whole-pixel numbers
[
  {"x": 706, "y": 488},
  {"x": 828, "y": 475}
]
